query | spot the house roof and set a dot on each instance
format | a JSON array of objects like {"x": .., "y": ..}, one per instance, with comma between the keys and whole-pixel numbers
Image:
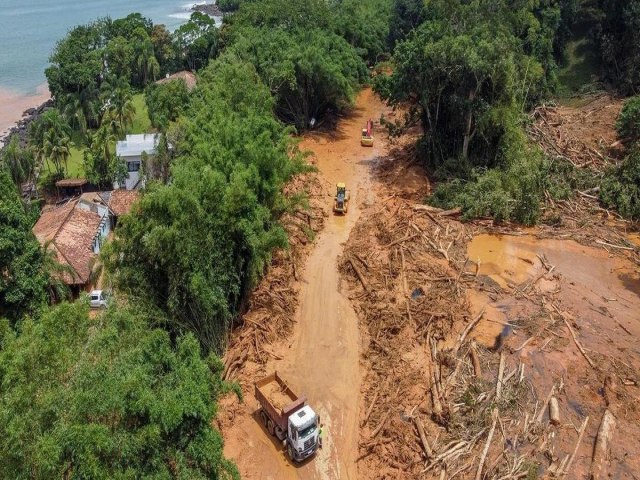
[
  {"x": 189, "y": 79},
  {"x": 121, "y": 200},
  {"x": 134, "y": 145},
  {"x": 71, "y": 182},
  {"x": 71, "y": 232}
]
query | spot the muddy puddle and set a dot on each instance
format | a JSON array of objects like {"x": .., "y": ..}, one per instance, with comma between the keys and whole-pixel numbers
[{"x": 526, "y": 282}]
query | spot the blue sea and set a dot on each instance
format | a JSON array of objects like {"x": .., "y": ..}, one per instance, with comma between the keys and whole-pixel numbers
[{"x": 29, "y": 30}]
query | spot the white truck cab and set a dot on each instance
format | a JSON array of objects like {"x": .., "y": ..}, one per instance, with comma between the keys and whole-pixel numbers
[{"x": 304, "y": 433}]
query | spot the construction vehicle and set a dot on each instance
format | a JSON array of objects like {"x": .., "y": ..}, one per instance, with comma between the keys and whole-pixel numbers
[
  {"x": 341, "y": 201},
  {"x": 366, "y": 140},
  {"x": 288, "y": 417}
]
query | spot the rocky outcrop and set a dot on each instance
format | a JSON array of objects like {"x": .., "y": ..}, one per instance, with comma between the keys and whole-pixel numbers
[
  {"x": 208, "y": 8},
  {"x": 21, "y": 128}
]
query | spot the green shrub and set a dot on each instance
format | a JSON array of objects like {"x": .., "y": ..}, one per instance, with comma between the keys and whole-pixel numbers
[
  {"x": 228, "y": 5},
  {"x": 628, "y": 124},
  {"x": 621, "y": 187}
]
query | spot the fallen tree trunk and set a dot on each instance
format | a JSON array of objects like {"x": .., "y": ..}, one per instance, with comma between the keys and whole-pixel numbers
[
  {"x": 359, "y": 275},
  {"x": 554, "y": 411},
  {"x": 423, "y": 438},
  {"x": 601, "y": 449}
]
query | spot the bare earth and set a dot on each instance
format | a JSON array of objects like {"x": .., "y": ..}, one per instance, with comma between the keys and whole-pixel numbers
[
  {"x": 321, "y": 359},
  {"x": 380, "y": 354}
]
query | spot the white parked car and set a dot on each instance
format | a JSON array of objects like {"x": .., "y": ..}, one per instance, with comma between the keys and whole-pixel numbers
[{"x": 99, "y": 299}]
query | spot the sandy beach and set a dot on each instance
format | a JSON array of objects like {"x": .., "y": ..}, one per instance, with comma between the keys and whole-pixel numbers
[{"x": 13, "y": 104}]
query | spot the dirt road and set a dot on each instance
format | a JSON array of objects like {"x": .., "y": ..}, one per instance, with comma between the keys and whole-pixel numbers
[{"x": 321, "y": 358}]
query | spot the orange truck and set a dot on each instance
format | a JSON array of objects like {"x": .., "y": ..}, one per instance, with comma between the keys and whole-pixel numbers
[{"x": 288, "y": 417}]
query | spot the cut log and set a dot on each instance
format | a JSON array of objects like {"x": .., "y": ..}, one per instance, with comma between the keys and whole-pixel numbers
[
  {"x": 554, "y": 411},
  {"x": 423, "y": 438},
  {"x": 359, "y": 275},
  {"x": 601, "y": 449},
  {"x": 450, "y": 213}
]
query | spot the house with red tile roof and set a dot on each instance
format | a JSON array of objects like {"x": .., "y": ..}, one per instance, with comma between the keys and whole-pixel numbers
[{"x": 75, "y": 232}]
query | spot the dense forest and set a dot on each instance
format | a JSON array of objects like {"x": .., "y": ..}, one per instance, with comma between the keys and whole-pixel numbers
[{"x": 131, "y": 393}]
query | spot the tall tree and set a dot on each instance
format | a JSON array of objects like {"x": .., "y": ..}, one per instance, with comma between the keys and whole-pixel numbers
[
  {"x": 209, "y": 233},
  {"x": 17, "y": 161},
  {"x": 23, "y": 281},
  {"x": 112, "y": 398}
]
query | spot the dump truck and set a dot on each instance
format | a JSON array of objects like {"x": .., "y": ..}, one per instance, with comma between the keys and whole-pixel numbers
[
  {"x": 366, "y": 138},
  {"x": 341, "y": 200},
  {"x": 288, "y": 417}
]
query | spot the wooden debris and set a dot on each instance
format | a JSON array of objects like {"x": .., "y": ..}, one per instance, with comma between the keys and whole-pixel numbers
[
  {"x": 544, "y": 406},
  {"x": 554, "y": 411},
  {"x": 487, "y": 444},
  {"x": 606, "y": 244},
  {"x": 466, "y": 331},
  {"x": 423, "y": 438},
  {"x": 359, "y": 275},
  {"x": 567, "y": 468},
  {"x": 500, "y": 377},
  {"x": 584, "y": 354},
  {"x": 601, "y": 449},
  {"x": 475, "y": 361}
]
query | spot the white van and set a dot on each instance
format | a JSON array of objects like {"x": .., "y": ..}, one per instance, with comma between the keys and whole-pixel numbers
[{"x": 98, "y": 299}]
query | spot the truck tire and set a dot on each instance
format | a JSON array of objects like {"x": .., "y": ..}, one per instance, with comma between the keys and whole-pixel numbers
[
  {"x": 290, "y": 452},
  {"x": 263, "y": 417},
  {"x": 271, "y": 428}
]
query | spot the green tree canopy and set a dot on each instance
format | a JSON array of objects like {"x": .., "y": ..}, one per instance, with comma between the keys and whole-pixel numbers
[
  {"x": 195, "y": 247},
  {"x": 166, "y": 102},
  {"x": 310, "y": 72},
  {"x": 17, "y": 161},
  {"x": 106, "y": 398},
  {"x": 23, "y": 281}
]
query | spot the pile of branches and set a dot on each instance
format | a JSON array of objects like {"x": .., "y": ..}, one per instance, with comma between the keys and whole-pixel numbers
[
  {"x": 436, "y": 404},
  {"x": 270, "y": 312},
  {"x": 577, "y": 135}
]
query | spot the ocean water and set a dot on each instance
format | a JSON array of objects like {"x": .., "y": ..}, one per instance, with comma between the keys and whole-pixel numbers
[{"x": 29, "y": 30}]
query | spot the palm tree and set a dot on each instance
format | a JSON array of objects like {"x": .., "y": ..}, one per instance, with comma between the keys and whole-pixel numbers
[
  {"x": 74, "y": 111},
  {"x": 17, "y": 160},
  {"x": 118, "y": 110},
  {"x": 148, "y": 66},
  {"x": 56, "y": 148},
  {"x": 123, "y": 108},
  {"x": 102, "y": 141},
  {"x": 57, "y": 289},
  {"x": 50, "y": 139}
]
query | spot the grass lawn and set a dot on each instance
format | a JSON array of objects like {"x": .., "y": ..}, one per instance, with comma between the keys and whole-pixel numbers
[
  {"x": 75, "y": 163},
  {"x": 141, "y": 122},
  {"x": 75, "y": 167}
]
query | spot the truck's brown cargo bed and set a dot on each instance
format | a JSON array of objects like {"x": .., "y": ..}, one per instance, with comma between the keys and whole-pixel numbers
[
  {"x": 277, "y": 399},
  {"x": 279, "y": 395}
]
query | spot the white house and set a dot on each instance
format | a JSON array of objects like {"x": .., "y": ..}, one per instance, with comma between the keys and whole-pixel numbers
[{"x": 130, "y": 151}]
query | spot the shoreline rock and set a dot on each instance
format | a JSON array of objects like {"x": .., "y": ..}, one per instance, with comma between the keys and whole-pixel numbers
[
  {"x": 210, "y": 9},
  {"x": 21, "y": 127}
]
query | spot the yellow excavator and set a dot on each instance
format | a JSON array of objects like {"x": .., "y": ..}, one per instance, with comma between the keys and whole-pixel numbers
[
  {"x": 341, "y": 201},
  {"x": 366, "y": 139}
]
